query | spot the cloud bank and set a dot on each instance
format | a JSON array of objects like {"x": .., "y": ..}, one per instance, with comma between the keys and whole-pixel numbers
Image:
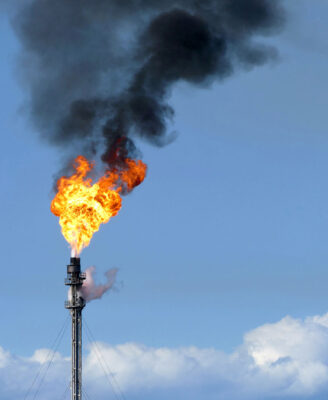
[{"x": 286, "y": 360}]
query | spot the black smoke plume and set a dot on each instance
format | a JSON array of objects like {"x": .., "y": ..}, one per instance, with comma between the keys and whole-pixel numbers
[{"x": 100, "y": 72}]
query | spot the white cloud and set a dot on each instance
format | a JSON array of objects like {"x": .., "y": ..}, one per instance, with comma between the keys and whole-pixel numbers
[{"x": 287, "y": 359}]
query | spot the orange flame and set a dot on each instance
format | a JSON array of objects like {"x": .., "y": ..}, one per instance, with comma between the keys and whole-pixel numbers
[{"x": 82, "y": 205}]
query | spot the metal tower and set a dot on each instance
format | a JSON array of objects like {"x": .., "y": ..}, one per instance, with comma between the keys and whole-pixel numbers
[{"x": 76, "y": 304}]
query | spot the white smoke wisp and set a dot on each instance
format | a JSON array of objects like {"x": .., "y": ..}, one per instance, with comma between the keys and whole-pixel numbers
[{"x": 90, "y": 290}]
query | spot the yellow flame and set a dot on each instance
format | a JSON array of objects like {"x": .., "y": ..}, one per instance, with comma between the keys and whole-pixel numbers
[{"x": 82, "y": 206}]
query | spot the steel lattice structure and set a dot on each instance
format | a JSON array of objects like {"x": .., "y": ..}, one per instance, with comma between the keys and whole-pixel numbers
[{"x": 76, "y": 304}]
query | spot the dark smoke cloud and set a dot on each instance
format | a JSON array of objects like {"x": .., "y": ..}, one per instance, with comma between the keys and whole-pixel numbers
[{"x": 100, "y": 72}]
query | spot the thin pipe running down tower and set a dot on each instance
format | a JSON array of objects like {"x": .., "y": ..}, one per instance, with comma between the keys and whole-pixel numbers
[{"x": 76, "y": 304}]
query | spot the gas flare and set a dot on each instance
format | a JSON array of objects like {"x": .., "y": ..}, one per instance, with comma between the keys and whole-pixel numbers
[{"x": 82, "y": 206}]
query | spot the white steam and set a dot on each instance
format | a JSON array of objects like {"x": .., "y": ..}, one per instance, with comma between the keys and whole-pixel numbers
[{"x": 90, "y": 290}]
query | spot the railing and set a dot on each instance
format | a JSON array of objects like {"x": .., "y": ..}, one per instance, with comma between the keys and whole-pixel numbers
[
  {"x": 79, "y": 303},
  {"x": 76, "y": 280}
]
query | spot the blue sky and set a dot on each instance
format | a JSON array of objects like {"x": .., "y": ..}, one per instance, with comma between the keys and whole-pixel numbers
[{"x": 228, "y": 232}]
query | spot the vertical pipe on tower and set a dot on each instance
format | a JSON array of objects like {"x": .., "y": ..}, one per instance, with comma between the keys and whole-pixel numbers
[{"x": 75, "y": 304}]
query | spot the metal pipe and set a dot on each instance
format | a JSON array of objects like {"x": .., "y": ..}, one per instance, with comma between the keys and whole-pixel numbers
[{"x": 76, "y": 304}]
